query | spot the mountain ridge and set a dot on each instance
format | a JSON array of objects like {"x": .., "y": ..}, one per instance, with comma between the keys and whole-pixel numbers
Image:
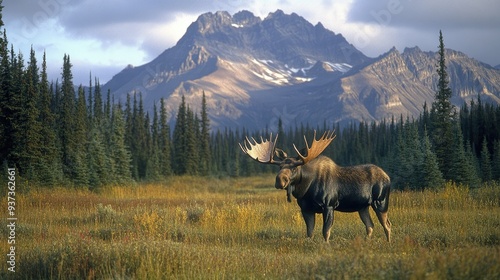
[{"x": 255, "y": 71}]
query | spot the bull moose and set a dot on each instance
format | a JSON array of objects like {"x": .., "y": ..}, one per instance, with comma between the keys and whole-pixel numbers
[{"x": 321, "y": 186}]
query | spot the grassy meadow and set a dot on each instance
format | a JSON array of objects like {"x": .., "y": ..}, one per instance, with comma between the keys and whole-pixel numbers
[{"x": 208, "y": 228}]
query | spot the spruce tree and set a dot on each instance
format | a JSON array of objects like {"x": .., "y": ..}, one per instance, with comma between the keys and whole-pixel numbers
[
  {"x": 204, "y": 141},
  {"x": 192, "y": 136},
  {"x": 153, "y": 164},
  {"x": 179, "y": 139},
  {"x": 140, "y": 139},
  {"x": 98, "y": 107},
  {"x": 164, "y": 142},
  {"x": 443, "y": 116},
  {"x": 119, "y": 152},
  {"x": 31, "y": 145},
  {"x": 66, "y": 109},
  {"x": 485, "y": 167},
  {"x": 462, "y": 170},
  {"x": 17, "y": 115},
  {"x": 80, "y": 142},
  {"x": 496, "y": 161},
  {"x": 429, "y": 174},
  {"x": 6, "y": 97},
  {"x": 50, "y": 170}
]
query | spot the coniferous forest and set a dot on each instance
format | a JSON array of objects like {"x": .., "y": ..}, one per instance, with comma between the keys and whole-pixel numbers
[{"x": 58, "y": 134}]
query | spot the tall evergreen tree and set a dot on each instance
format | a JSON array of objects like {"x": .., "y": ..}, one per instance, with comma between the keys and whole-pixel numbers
[
  {"x": 6, "y": 97},
  {"x": 118, "y": 152},
  {"x": 205, "y": 153},
  {"x": 443, "y": 116},
  {"x": 164, "y": 142},
  {"x": 139, "y": 141},
  {"x": 461, "y": 170},
  {"x": 179, "y": 139},
  {"x": 192, "y": 138},
  {"x": 496, "y": 162},
  {"x": 429, "y": 174},
  {"x": 98, "y": 107},
  {"x": 31, "y": 146},
  {"x": 153, "y": 164},
  {"x": 485, "y": 167},
  {"x": 80, "y": 135},
  {"x": 18, "y": 113},
  {"x": 50, "y": 168}
]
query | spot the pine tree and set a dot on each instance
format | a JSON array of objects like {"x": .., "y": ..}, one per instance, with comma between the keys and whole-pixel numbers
[
  {"x": 98, "y": 107},
  {"x": 99, "y": 168},
  {"x": 164, "y": 142},
  {"x": 462, "y": 170},
  {"x": 486, "y": 171},
  {"x": 31, "y": 146},
  {"x": 496, "y": 162},
  {"x": 153, "y": 164},
  {"x": 66, "y": 109},
  {"x": 73, "y": 128},
  {"x": 139, "y": 139},
  {"x": 50, "y": 168},
  {"x": 80, "y": 141},
  {"x": 179, "y": 139},
  {"x": 6, "y": 98},
  {"x": 205, "y": 153},
  {"x": 409, "y": 157},
  {"x": 430, "y": 176},
  {"x": 192, "y": 136},
  {"x": 119, "y": 153},
  {"x": 17, "y": 114},
  {"x": 443, "y": 116}
]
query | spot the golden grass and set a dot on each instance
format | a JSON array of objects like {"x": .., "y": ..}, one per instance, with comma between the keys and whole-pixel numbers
[{"x": 208, "y": 228}]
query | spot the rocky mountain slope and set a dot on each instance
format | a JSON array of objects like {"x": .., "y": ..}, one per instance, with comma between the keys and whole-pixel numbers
[{"x": 255, "y": 71}]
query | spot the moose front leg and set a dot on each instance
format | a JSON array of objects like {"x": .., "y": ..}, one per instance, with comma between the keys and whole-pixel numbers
[
  {"x": 310, "y": 219},
  {"x": 327, "y": 222}
]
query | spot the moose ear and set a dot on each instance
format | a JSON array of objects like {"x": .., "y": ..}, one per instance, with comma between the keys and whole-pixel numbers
[{"x": 280, "y": 154}]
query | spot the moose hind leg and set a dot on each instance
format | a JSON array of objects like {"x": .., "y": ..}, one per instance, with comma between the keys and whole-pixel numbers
[
  {"x": 309, "y": 218},
  {"x": 384, "y": 221},
  {"x": 327, "y": 222},
  {"x": 364, "y": 214}
]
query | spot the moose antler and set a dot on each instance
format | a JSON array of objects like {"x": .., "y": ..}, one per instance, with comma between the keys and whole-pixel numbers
[
  {"x": 317, "y": 146},
  {"x": 262, "y": 152}
]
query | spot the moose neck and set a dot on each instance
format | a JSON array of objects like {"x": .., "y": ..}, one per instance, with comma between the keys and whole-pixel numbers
[{"x": 299, "y": 188}]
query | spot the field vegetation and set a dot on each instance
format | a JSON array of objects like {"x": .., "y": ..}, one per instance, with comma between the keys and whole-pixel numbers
[{"x": 210, "y": 228}]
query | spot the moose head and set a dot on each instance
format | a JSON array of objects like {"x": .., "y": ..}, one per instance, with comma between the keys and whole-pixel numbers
[{"x": 266, "y": 151}]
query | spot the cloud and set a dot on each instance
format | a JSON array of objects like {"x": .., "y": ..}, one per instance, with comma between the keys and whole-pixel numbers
[{"x": 428, "y": 14}]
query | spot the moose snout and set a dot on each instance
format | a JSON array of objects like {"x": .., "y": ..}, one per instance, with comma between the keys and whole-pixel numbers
[{"x": 282, "y": 180}]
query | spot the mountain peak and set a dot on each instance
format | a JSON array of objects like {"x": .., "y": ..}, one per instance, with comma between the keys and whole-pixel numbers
[
  {"x": 210, "y": 22},
  {"x": 256, "y": 71},
  {"x": 279, "y": 13},
  {"x": 245, "y": 18}
]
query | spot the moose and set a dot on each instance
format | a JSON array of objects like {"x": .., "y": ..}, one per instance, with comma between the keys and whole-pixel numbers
[{"x": 321, "y": 186}]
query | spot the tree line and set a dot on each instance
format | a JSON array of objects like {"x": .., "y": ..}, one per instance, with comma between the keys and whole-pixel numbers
[{"x": 57, "y": 134}]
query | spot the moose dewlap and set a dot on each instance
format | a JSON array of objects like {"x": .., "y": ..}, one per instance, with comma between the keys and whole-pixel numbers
[{"x": 321, "y": 186}]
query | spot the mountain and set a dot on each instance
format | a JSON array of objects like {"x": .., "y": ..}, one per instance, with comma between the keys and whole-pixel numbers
[{"x": 256, "y": 71}]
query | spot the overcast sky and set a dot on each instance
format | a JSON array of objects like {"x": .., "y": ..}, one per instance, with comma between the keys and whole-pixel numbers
[{"x": 104, "y": 36}]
